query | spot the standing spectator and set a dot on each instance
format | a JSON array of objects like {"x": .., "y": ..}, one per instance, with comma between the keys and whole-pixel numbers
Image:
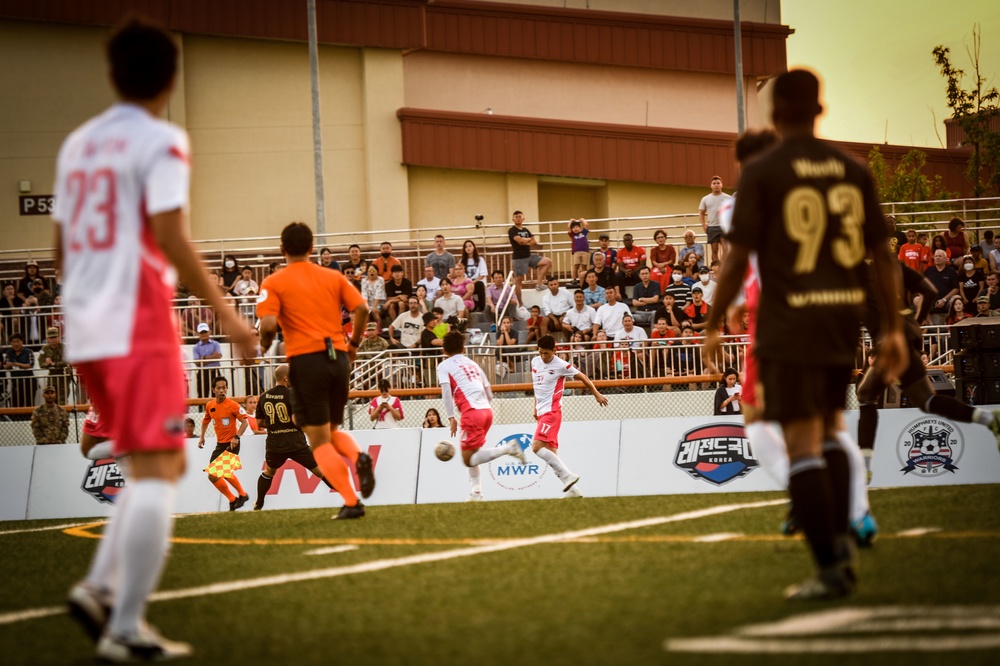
[
  {"x": 579, "y": 318},
  {"x": 896, "y": 237},
  {"x": 505, "y": 338},
  {"x": 49, "y": 421},
  {"x": 606, "y": 278},
  {"x": 385, "y": 410},
  {"x": 502, "y": 301},
  {"x": 431, "y": 282},
  {"x": 911, "y": 253},
  {"x": 354, "y": 260},
  {"x": 372, "y": 343},
  {"x": 707, "y": 284},
  {"x": 946, "y": 281},
  {"x": 609, "y": 315},
  {"x": 727, "y": 397},
  {"x": 594, "y": 295},
  {"x": 556, "y": 302},
  {"x": 630, "y": 259},
  {"x": 697, "y": 310},
  {"x": 690, "y": 247},
  {"x": 462, "y": 286},
  {"x": 432, "y": 419},
  {"x": 398, "y": 290},
  {"x": 207, "y": 353},
  {"x": 645, "y": 298},
  {"x": 971, "y": 278},
  {"x": 578, "y": 230},
  {"x": 431, "y": 345},
  {"x": 992, "y": 290},
  {"x": 52, "y": 357},
  {"x": 373, "y": 290},
  {"x": 450, "y": 303},
  {"x": 524, "y": 260},
  {"x": 663, "y": 257},
  {"x": 442, "y": 262},
  {"x": 326, "y": 259},
  {"x": 33, "y": 322},
  {"x": 475, "y": 270},
  {"x": 987, "y": 245},
  {"x": 195, "y": 313},
  {"x": 610, "y": 254},
  {"x": 708, "y": 213},
  {"x": 534, "y": 324},
  {"x": 679, "y": 289},
  {"x": 30, "y": 275},
  {"x": 409, "y": 324},
  {"x": 230, "y": 273},
  {"x": 19, "y": 361},
  {"x": 385, "y": 261},
  {"x": 926, "y": 255}
]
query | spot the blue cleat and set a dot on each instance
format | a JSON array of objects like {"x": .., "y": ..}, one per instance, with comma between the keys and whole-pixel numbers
[
  {"x": 865, "y": 530},
  {"x": 789, "y": 527}
]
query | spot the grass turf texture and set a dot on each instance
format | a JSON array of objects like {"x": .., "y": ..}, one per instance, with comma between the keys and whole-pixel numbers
[{"x": 609, "y": 600}]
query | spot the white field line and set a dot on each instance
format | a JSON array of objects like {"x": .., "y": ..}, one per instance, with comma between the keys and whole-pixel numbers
[
  {"x": 876, "y": 619},
  {"x": 727, "y": 644},
  {"x": 54, "y": 527},
  {"x": 715, "y": 538},
  {"x": 381, "y": 565},
  {"x": 918, "y": 531},
  {"x": 331, "y": 550}
]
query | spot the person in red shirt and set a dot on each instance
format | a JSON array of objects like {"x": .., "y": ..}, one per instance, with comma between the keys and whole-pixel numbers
[
  {"x": 630, "y": 259},
  {"x": 697, "y": 310},
  {"x": 223, "y": 413},
  {"x": 911, "y": 253}
]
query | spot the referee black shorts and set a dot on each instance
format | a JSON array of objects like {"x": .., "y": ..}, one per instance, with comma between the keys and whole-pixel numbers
[
  {"x": 791, "y": 392},
  {"x": 224, "y": 446},
  {"x": 319, "y": 388}
]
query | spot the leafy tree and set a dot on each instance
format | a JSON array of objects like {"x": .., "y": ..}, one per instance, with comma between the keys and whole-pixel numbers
[
  {"x": 974, "y": 108},
  {"x": 906, "y": 182}
]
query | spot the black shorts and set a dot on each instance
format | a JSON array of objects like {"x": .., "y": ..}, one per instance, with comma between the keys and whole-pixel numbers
[
  {"x": 319, "y": 388},
  {"x": 790, "y": 392},
  {"x": 303, "y": 456},
  {"x": 714, "y": 234},
  {"x": 223, "y": 446}
]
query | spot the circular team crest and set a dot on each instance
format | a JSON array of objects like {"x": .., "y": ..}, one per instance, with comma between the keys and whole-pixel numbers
[
  {"x": 930, "y": 446},
  {"x": 509, "y": 474}
]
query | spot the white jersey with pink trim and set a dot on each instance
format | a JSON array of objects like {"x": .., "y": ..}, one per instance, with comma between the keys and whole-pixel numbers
[
  {"x": 548, "y": 379},
  {"x": 113, "y": 173},
  {"x": 469, "y": 386}
]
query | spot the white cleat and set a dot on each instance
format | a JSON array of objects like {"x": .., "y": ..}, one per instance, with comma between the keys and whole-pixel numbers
[
  {"x": 90, "y": 608},
  {"x": 514, "y": 449},
  {"x": 475, "y": 497},
  {"x": 571, "y": 493},
  {"x": 570, "y": 481},
  {"x": 147, "y": 645}
]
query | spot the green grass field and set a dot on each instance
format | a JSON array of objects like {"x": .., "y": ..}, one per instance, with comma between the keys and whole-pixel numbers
[{"x": 507, "y": 596}]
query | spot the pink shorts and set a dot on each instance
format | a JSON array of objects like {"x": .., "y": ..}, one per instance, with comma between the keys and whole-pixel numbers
[
  {"x": 548, "y": 428},
  {"x": 140, "y": 400},
  {"x": 94, "y": 426},
  {"x": 475, "y": 424}
]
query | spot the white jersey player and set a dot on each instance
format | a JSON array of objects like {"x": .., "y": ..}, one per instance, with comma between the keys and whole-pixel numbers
[
  {"x": 548, "y": 377},
  {"x": 121, "y": 190},
  {"x": 464, "y": 385}
]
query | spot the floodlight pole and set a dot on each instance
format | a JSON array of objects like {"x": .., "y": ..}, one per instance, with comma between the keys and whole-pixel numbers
[
  {"x": 316, "y": 120},
  {"x": 740, "y": 115}
]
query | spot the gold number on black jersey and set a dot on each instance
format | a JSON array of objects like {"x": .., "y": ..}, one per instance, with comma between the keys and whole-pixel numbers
[
  {"x": 805, "y": 215},
  {"x": 276, "y": 412}
]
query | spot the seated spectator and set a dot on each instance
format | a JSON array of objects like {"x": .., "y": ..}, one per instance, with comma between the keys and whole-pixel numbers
[
  {"x": 432, "y": 419},
  {"x": 534, "y": 324},
  {"x": 986, "y": 246},
  {"x": 662, "y": 257},
  {"x": 555, "y": 303},
  {"x": 19, "y": 362},
  {"x": 661, "y": 338},
  {"x": 397, "y": 292},
  {"x": 360, "y": 274},
  {"x": 707, "y": 284},
  {"x": 634, "y": 337},
  {"x": 501, "y": 302},
  {"x": 983, "y": 307},
  {"x": 671, "y": 312},
  {"x": 690, "y": 247},
  {"x": 939, "y": 243},
  {"x": 728, "y": 396},
  {"x": 451, "y": 304},
  {"x": 408, "y": 324},
  {"x": 385, "y": 262},
  {"x": 431, "y": 283},
  {"x": 992, "y": 290},
  {"x": 609, "y": 315},
  {"x": 431, "y": 345},
  {"x": 687, "y": 356},
  {"x": 505, "y": 338},
  {"x": 462, "y": 286},
  {"x": 385, "y": 410},
  {"x": 593, "y": 294},
  {"x": 696, "y": 311},
  {"x": 40, "y": 290},
  {"x": 230, "y": 273},
  {"x": 980, "y": 262},
  {"x": 475, "y": 270},
  {"x": 606, "y": 278},
  {"x": 355, "y": 261},
  {"x": 680, "y": 290},
  {"x": 691, "y": 269},
  {"x": 189, "y": 426},
  {"x": 645, "y": 298},
  {"x": 246, "y": 285},
  {"x": 579, "y": 318},
  {"x": 372, "y": 343},
  {"x": 610, "y": 255},
  {"x": 971, "y": 280},
  {"x": 425, "y": 303},
  {"x": 946, "y": 281},
  {"x": 373, "y": 290},
  {"x": 957, "y": 313},
  {"x": 630, "y": 259},
  {"x": 326, "y": 259},
  {"x": 49, "y": 421},
  {"x": 580, "y": 247}
]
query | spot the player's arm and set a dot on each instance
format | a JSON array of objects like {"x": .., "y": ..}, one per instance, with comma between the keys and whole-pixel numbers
[
  {"x": 397, "y": 414},
  {"x": 374, "y": 409},
  {"x": 449, "y": 407},
  {"x": 244, "y": 422},
  {"x": 601, "y": 400},
  {"x": 204, "y": 429},
  {"x": 893, "y": 355},
  {"x": 360, "y": 321},
  {"x": 728, "y": 286},
  {"x": 268, "y": 329},
  {"x": 914, "y": 282}
]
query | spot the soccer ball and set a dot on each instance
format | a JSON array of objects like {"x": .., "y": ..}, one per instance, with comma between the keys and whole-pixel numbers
[{"x": 444, "y": 450}]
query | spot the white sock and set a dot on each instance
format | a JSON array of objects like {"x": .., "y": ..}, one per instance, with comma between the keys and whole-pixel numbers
[
  {"x": 474, "y": 482},
  {"x": 484, "y": 455},
  {"x": 859, "y": 505},
  {"x": 146, "y": 525},
  {"x": 555, "y": 462},
  {"x": 982, "y": 417},
  {"x": 101, "y": 450},
  {"x": 868, "y": 455},
  {"x": 767, "y": 441},
  {"x": 103, "y": 574}
]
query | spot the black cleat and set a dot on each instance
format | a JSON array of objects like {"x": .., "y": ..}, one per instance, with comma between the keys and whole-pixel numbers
[
  {"x": 90, "y": 609},
  {"x": 240, "y": 501},
  {"x": 232, "y": 505},
  {"x": 348, "y": 512},
  {"x": 366, "y": 475}
]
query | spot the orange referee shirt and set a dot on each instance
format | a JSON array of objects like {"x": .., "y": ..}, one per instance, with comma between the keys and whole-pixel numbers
[
  {"x": 224, "y": 414},
  {"x": 306, "y": 298}
]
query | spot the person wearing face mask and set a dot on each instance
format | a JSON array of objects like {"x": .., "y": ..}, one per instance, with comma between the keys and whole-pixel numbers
[
  {"x": 385, "y": 261},
  {"x": 230, "y": 273},
  {"x": 680, "y": 290},
  {"x": 706, "y": 284},
  {"x": 972, "y": 280}
]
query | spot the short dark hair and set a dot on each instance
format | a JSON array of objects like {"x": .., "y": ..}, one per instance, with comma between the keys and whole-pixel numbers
[
  {"x": 326, "y": 250},
  {"x": 589, "y": 272},
  {"x": 954, "y": 223},
  {"x": 441, "y": 236},
  {"x": 553, "y": 277},
  {"x": 718, "y": 178},
  {"x": 15, "y": 336},
  {"x": 547, "y": 342},
  {"x": 384, "y": 385},
  {"x": 352, "y": 246},
  {"x": 218, "y": 379},
  {"x": 296, "y": 239},
  {"x": 396, "y": 269},
  {"x": 988, "y": 234},
  {"x": 500, "y": 273},
  {"x": 143, "y": 59},
  {"x": 385, "y": 243},
  {"x": 579, "y": 291},
  {"x": 454, "y": 342},
  {"x": 796, "y": 97},
  {"x": 517, "y": 212},
  {"x": 429, "y": 317},
  {"x": 575, "y": 223},
  {"x": 437, "y": 310},
  {"x": 446, "y": 281},
  {"x": 730, "y": 371}
]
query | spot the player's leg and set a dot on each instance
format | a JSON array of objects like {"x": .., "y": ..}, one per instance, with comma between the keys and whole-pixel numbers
[
  {"x": 218, "y": 481},
  {"x": 475, "y": 425},
  {"x": 233, "y": 480},
  {"x": 863, "y": 524},
  {"x": 266, "y": 477},
  {"x": 919, "y": 390},
  {"x": 545, "y": 445},
  {"x": 869, "y": 390}
]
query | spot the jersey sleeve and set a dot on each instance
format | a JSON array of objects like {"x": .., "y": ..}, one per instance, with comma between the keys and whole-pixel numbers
[
  {"x": 268, "y": 302},
  {"x": 259, "y": 413},
  {"x": 567, "y": 369},
  {"x": 748, "y": 216},
  {"x": 207, "y": 418},
  {"x": 169, "y": 173},
  {"x": 241, "y": 413}
]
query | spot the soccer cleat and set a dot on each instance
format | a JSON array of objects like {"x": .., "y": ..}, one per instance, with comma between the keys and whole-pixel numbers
[
  {"x": 348, "y": 512},
  {"x": 514, "y": 449},
  {"x": 240, "y": 501},
  {"x": 789, "y": 527},
  {"x": 475, "y": 497},
  {"x": 570, "y": 481},
  {"x": 865, "y": 530},
  {"x": 90, "y": 608},
  {"x": 995, "y": 426},
  {"x": 572, "y": 492},
  {"x": 232, "y": 505},
  {"x": 828, "y": 584},
  {"x": 366, "y": 475},
  {"x": 257, "y": 506},
  {"x": 147, "y": 645}
]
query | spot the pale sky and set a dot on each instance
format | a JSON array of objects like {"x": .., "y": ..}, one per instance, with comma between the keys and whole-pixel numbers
[{"x": 874, "y": 57}]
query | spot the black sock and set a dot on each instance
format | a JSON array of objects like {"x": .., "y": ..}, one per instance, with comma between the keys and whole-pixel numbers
[
  {"x": 839, "y": 472},
  {"x": 950, "y": 408},
  {"x": 867, "y": 425},
  {"x": 263, "y": 485},
  {"x": 812, "y": 503},
  {"x": 327, "y": 482}
]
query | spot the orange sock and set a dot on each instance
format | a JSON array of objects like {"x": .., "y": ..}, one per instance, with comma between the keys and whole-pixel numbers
[
  {"x": 334, "y": 468},
  {"x": 224, "y": 489},
  {"x": 235, "y": 483},
  {"x": 345, "y": 445}
]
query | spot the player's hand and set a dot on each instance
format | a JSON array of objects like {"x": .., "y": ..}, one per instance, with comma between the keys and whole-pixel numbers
[
  {"x": 352, "y": 353},
  {"x": 201, "y": 443},
  {"x": 892, "y": 356},
  {"x": 601, "y": 400},
  {"x": 710, "y": 350},
  {"x": 452, "y": 425}
]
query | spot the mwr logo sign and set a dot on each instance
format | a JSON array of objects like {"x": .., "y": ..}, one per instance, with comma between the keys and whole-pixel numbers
[
  {"x": 512, "y": 475},
  {"x": 716, "y": 453},
  {"x": 103, "y": 480},
  {"x": 930, "y": 446}
]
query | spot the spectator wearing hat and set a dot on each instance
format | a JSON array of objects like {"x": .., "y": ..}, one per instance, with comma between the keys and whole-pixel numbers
[
  {"x": 30, "y": 274},
  {"x": 19, "y": 361},
  {"x": 983, "y": 307},
  {"x": 372, "y": 342},
  {"x": 49, "y": 421},
  {"x": 52, "y": 357},
  {"x": 610, "y": 254},
  {"x": 707, "y": 284},
  {"x": 207, "y": 353},
  {"x": 697, "y": 310}
]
